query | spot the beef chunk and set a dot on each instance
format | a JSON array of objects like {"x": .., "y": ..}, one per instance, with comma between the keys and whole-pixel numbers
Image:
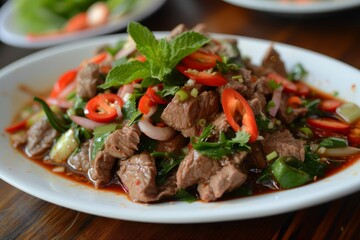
[
  {"x": 40, "y": 137},
  {"x": 226, "y": 179},
  {"x": 81, "y": 160},
  {"x": 86, "y": 81},
  {"x": 243, "y": 85},
  {"x": 289, "y": 116},
  {"x": 284, "y": 144},
  {"x": 100, "y": 171},
  {"x": 175, "y": 144},
  {"x": 184, "y": 116},
  {"x": 123, "y": 142},
  {"x": 18, "y": 139},
  {"x": 195, "y": 168},
  {"x": 273, "y": 61},
  {"x": 258, "y": 103},
  {"x": 262, "y": 86},
  {"x": 138, "y": 174},
  {"x": 257, "y": 156},
  {"x": 213, "y": 177},
  {"x": 220, "y": 123}
]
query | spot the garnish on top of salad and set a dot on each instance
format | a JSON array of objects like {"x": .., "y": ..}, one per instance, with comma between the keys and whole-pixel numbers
[
  {"x": 187, "y": 117},
  {"x": 52, "y": 18}
]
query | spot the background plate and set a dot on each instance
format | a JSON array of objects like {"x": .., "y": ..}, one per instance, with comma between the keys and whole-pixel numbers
[
  {"x": 296, "y": 7},
  {"x": 10, "y": 35}
]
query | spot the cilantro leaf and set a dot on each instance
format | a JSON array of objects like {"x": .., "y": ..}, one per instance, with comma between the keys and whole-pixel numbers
[{"x": 223, "y": 146}]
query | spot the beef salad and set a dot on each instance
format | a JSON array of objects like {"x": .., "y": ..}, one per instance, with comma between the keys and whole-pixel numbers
[{"x": 187, "y": 117}]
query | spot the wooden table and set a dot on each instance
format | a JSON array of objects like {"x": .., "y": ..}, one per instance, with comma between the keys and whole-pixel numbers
[{"x": 336, "y": 35}]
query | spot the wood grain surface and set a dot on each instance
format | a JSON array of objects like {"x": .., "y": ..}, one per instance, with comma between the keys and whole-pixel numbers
[{"x": 336, "y": 35}]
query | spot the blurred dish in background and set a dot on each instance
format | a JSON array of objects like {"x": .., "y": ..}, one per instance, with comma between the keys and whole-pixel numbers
[
  {"x": 296, "y": 6},
  {"x": 43, "y": 23}
]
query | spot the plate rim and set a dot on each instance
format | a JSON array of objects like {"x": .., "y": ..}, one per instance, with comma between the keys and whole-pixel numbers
[
  {"x": 294, "y": 8},
  {"x": 15, "y": 39},
  {"x": 144, "y": 217}
]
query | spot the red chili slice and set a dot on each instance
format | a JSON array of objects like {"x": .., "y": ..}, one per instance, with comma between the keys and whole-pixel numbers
[
  {"x": 145, "y": 104},
  {"x": 329, "y": 124},
  {"x": 201, "y": 60},
  {"x": 16, "y": 126},
  {"x": 302, "y": 89},
  {"x": 63, "y": 81},
  {"x": 233, "y": 102},
  {"x": 102, "y": 108},
  {"x": 288, "y": 85},
  {"x": 154, "y": 97},
  {"x": 329, "y": 105},
  {"x": 213, "y": 79}
]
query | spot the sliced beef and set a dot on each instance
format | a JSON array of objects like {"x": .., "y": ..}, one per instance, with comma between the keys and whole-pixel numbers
[
  {"x": 262, "y": 86},
  {"x": 40, "y": 138},
  {"x": 256, "y": 156},
  {"x": 220, "y": 123},
  {"x": 273, "y": 61},
  {"x": 138, "y": 174},
  {"x": 284, "y": 144},
  {"x": 258, "y": 103},
  {"x": 288, "y": 115},
  {"x": 175, "y": 144},
  {"x": 242, "y": 84},
  {"x": 100, "y": 171},
  {"x": 86, "y": 81},
  {"x": 80, "y": 161},
  {"x": 185, "y": 116},
  {"x": 18, "y": 139},
  {"x": 123, "y": 142},
  {"x": 195, "y": 168},
  {"x": 226, "y": 179}
]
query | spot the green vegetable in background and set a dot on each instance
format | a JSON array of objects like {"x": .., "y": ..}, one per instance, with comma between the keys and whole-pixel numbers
[{"x": 39, "y": 16}]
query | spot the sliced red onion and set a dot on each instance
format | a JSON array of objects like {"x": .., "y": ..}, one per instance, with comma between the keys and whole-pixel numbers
[
  {"x": 67, "y": 90},
  {"x": 157, "y": 133},
  {"x": 59, "y": 102},
  {"x": 126, "y": 50},
  {"x": 151, "y": 112},
  {"x": 276, "y": 98},
  {"x": 85, "y": 122},
  {"x": 125, "y": 91}
]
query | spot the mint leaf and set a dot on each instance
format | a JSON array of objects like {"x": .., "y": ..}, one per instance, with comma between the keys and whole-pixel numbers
[
  {"x": 126, "y": 73},
  {"x": 185, "y": 44},
  {"x": 161, "y": 54}
]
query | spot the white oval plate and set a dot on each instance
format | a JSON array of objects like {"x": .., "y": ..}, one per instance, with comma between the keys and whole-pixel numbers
[
  {"x": 11, "y": 36},
  {"x": 296, "y": 7},
  {"x": 40, "y": 70}
]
